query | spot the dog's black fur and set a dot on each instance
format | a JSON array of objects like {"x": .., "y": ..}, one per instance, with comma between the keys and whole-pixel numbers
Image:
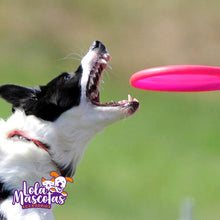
[{"x": 46, "y": 102}]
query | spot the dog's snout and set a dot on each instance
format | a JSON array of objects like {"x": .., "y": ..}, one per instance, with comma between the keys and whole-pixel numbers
[{"x": 97, "y": 45}]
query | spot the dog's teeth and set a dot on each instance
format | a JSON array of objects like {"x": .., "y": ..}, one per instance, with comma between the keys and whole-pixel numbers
[
  {"x": 103, "y": 61},
  {"x": 109, "y": 67},
  {"x": 96, "y": 77},
  {"x": 93, "y": 95},
  {"x": 123, "y": 102},
  {"x": 107, "y": 57},
  {"x": 130, "y": 98},
  {"x": 91, "y": 81}
]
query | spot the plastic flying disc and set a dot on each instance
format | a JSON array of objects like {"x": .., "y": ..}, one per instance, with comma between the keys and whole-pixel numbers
[{"x": 178, "y": 78}]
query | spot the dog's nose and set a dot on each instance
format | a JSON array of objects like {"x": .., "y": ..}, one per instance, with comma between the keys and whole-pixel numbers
[{"x": 97, "y": 45}]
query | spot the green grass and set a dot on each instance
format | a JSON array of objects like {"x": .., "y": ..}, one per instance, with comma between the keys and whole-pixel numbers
[{"x": 144, "y": 167}]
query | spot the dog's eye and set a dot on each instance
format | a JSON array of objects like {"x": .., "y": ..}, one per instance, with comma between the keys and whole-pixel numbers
[{"x": 67, "y": 77}]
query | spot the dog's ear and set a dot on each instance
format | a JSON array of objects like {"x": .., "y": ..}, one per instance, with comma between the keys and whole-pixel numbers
[{"x": 16, "y": 94}]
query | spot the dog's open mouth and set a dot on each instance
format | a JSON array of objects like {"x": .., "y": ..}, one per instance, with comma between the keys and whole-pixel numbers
[{"x": 93, "y": 85}]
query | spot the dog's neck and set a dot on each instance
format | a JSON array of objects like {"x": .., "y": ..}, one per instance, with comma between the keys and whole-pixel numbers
[
  {"x": 22, "y": 136},
  {"x": 67, "y": 141}
]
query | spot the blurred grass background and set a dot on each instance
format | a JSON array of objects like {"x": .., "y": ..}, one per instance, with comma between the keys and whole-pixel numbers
[{"x": 147, "y": 166}]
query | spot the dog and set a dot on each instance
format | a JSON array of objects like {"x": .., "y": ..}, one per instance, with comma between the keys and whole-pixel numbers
[{"x": 51, "y": 126}]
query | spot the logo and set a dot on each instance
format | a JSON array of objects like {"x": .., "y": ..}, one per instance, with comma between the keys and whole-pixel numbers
[{"x": 37, "y": 196}]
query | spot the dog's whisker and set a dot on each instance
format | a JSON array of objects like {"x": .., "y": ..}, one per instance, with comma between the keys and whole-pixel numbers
[
  {"x": 109, "y": 67},
  {"x": 71, "y": 56}
]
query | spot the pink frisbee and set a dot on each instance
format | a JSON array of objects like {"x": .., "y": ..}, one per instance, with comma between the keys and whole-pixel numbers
[{"x": 178, "y": 78}]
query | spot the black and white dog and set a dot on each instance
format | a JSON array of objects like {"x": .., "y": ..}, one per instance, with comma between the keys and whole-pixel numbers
[{"x": 51, "y": 126}]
